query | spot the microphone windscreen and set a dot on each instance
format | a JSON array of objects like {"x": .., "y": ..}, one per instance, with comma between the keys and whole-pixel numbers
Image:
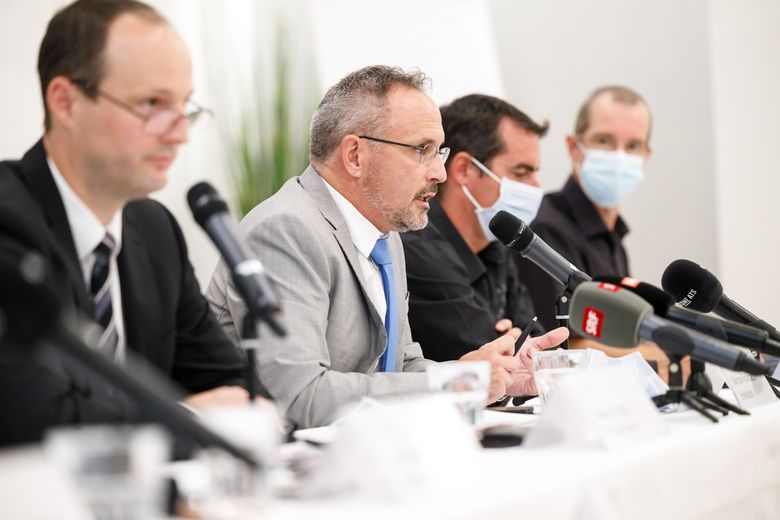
[
  {"x": 692, "y": 286},
  {"x": 607, "y": 313},
  {"x": 204, "y": 202},
  {"x": 29, "y": 309},
  {"x": 658, "y": 298},
  {"x": 511, "y": 231}
]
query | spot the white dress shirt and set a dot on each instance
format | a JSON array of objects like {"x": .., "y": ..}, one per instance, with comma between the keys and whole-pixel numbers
[
  {"x": 364, "y": 235},
  {"x": 88, "y": 232}
]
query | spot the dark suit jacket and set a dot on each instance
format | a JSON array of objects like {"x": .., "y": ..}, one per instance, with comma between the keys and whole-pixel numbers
[{"x": 166, "y": 319}]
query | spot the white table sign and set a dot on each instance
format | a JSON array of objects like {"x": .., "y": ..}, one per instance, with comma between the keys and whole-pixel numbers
[{"x": 601, "y": 408}]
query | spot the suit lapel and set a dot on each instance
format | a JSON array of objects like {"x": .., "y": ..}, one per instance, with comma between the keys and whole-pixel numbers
[
  {"x": 35, "y": 172},
  {"x": 315, "y": 187}
]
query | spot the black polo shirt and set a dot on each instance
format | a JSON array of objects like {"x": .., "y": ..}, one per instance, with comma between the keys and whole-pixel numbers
[
  {"x": 570, "y": 224},
  {"x": 455, "y": 296}
]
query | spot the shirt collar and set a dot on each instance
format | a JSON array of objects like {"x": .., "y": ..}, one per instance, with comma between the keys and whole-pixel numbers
[
  {"x": 585, "y": 213},
  {"x": 364, "y": 234},
  {"x": 85, "y": 227}
]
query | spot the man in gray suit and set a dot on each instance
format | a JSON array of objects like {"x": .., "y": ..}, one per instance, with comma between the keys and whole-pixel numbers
[{"x": 329, "y": 240}]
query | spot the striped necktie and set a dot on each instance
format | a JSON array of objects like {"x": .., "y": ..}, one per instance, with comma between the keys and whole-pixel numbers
[
  {"x": 100, "y": 289},
  {"x": 381, "y": 257}
]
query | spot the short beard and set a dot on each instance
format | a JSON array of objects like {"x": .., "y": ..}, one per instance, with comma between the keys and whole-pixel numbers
[{"x": 401, "y": 219}]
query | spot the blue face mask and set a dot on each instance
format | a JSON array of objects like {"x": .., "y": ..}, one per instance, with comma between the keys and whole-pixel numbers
[
  {"x": 518, "y": 198},
  {"x": 608, "y": 177}
]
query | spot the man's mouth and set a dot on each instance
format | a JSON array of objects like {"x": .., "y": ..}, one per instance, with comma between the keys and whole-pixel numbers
[{"x": 427, "y": 194}]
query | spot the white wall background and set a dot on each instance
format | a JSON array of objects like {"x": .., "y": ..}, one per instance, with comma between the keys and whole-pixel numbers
[
  {"x": 707, "y": 68},
  {"x": 554, "y": 53},
  {"x": 745, "y": 48}
]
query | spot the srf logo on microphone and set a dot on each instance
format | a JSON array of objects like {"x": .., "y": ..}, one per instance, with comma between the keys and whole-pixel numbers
[
  {"x": 592, "y": 321},
  {"x": 609, "y": 286},
  {"x": 630, "y": 282}
]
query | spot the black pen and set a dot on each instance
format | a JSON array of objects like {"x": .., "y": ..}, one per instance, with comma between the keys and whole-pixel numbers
[{"x": 524, "y": 335}]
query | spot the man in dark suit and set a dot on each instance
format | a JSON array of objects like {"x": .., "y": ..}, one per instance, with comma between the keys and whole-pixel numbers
[{"x": 116, "y": 81}]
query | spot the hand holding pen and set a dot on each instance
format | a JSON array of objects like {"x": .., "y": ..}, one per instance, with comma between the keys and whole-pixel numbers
[{"x": 526, "y": 332}]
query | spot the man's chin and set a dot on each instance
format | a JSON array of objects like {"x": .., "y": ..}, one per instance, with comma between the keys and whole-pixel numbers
[{"x": 419, "y": 222}]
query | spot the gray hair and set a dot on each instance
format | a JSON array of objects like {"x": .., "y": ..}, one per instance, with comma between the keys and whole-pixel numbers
[{"x": 355, "y": 105}]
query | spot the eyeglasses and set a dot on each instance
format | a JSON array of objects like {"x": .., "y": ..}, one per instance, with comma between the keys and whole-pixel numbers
[
  {"x": 427, "y": 152},
  {"x": 158, "y": 121},
  {"x": 609, "y": 144}
]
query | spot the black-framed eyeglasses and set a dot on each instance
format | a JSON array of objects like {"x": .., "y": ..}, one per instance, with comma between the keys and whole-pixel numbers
[
  {"x": 158, "y": 121},
  {"x": 427, "y": 151}
]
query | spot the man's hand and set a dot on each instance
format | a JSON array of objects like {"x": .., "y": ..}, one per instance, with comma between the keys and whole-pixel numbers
[
  {"x": 523, "y": 377},
  {"x": 499, "y": 353}
]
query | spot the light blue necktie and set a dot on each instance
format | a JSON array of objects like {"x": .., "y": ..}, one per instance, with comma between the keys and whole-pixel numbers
[{"x": 381, "y": 257}]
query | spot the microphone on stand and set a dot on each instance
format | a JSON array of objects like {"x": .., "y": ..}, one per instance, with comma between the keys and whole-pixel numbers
[
  {"x": 248, "y": 274},
  {"x": 696, "y": 288},
  {"x": 618, "y": 318},
  {"x": 518, "y": 236},
  {"x": 728, "y": 331}
]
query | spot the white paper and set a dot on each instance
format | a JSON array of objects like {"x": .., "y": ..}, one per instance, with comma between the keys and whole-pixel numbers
[
  {"x": 750, "y": 391},
  {"x": 598, "y": 408}
]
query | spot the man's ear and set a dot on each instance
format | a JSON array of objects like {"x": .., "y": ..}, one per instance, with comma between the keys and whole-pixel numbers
[
  {"x": 575, "y": 154},
  {"x": 459, "y": 170},
  {"x": 60, "y": 97},
  {"x": 351, "y": 153}
]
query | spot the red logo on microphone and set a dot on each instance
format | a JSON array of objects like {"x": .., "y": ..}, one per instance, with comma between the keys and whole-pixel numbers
[
  {"x": 609, "y": 287},
  {"x": 630, "y": 282},
  {"x": 592, "y": 321}
]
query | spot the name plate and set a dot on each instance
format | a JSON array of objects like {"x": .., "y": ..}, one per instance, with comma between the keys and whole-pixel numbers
[
  {"x": 750, "y": 391},
  {"x": 598, "y": 408}
]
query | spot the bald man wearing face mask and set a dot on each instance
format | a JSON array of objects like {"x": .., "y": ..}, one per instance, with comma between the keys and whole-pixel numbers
[{"x": 609, "y": 150}]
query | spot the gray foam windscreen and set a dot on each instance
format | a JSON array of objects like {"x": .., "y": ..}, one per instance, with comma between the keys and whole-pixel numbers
[{"x": 607, "y": 314}]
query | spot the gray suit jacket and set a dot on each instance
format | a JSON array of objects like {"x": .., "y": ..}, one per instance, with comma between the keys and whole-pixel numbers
[{"x": 335, "y": 336}]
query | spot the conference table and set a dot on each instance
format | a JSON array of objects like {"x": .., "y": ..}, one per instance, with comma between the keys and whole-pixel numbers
[{"x": 697, "y": 470}]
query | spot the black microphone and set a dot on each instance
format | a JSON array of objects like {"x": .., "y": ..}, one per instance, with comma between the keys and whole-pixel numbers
[
  {"x": 725, "y": 330},
  {"x": 517, "y": 235},
  {"x": 31, "y": 316},
  {"x": 248, "y": 274},
  {"x": 618, "y": 318},
  {"x": 695, "y": 287}
]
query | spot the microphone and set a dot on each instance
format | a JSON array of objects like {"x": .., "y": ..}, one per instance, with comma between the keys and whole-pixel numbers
[
  {"x": 249, "y": 275},
  {"x": 31, "y": 315},
  {"x": 618, "y": 318},
  {"x": 517, "y": 235},
  {"x": 695, "y": 287},
  {"x": 728, "y": 331}
]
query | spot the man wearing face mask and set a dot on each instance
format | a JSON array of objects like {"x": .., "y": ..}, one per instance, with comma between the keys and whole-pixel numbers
[
  {"x": 608, "y": 150},
  {"x": 463, "y": 285}
]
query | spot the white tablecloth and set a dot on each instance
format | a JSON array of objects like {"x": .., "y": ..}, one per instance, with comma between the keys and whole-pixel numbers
[{"x": 699, "y": 470}]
